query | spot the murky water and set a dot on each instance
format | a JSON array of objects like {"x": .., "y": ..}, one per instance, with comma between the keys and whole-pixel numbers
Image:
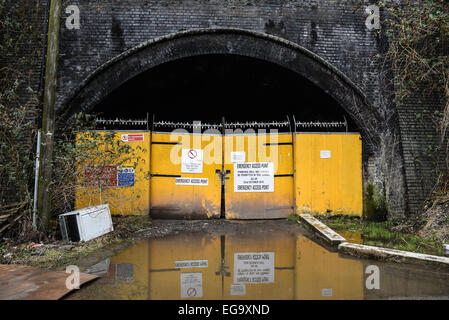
[{"x": 255, "y": 263}]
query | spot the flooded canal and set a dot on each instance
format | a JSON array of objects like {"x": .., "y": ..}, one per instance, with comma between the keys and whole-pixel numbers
[{"x": 254, "y": 261}]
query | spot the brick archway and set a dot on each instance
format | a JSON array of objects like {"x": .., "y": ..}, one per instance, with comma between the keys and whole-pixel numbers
[{"x": 198, "y": 42}]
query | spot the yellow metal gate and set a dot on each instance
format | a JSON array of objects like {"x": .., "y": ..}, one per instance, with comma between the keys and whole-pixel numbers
[
  {"x": 260, "y": 176},
  {"x": 328, "y": 173},
  {"x": 242, "y": 176},
  {"x": 184, "y": 182}
]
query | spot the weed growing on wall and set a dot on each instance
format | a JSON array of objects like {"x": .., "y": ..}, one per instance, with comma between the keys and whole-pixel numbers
[{"x": 418, "y": 35}]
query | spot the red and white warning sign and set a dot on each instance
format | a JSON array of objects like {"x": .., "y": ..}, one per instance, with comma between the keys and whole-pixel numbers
[
  {"x": 191, "y": 285},
  {"x": 100, "y": 176},
  {"x": 132, "y": 137},
  {"x": 192, "y": 161}
]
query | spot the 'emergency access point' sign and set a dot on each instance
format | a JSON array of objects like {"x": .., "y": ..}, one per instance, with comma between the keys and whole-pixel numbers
[
  {"x": 192, "y": 161},
  {"x": 254, "y": 177}
]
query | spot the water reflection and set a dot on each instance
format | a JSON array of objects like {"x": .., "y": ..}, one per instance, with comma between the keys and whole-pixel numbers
[{"x": 255, "y": 265}]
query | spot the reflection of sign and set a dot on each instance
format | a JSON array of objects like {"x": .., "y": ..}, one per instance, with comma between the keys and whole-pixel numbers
[
  {"x": 325, "y": 154},
  {"x": 104, "y": 176},
  {"x": 238, "y": 289},
  {"x": 191, "y": 285},
  {"x": 254, "y": 267},
  {"x": 192, "y": 161},
  {"x": 132, "y": 137},
  {"x": 191, "y": 264},
  {"x": 192, "y": 181},
  {"x": 254, "y": 177},
  {"x": 125, "y": 177},
  {"x": 238, "y": 157},
  {"x": 326, "y": 292}
]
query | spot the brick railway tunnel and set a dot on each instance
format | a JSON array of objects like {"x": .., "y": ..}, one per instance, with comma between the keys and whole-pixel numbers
[{"x": 249, "y": 61}]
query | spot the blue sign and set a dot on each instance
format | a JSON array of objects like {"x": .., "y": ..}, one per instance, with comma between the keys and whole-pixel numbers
[{"x": 125, "y": 177}]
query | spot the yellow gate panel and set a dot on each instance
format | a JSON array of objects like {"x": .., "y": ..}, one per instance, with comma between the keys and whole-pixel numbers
[
  {"x": 173, "y": 274},
  {"x": 108, "y": 177},
  {"x": 323, "y": 275},
  {"x": 328, "y": 173},
  {"x": 171, "y": 195},
  {"x": 275, "y": 148}
]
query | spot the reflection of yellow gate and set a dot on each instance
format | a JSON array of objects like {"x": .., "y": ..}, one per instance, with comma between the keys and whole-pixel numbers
[
  {"x": 244, "y": 193},
  {"x": 185, "y": 189},
  {"x": 210, "y": 267},
  {"x": 195, "y": 266}
]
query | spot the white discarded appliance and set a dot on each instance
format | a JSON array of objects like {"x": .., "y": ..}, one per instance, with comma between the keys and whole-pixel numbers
[{"x": 86, "y": 224}]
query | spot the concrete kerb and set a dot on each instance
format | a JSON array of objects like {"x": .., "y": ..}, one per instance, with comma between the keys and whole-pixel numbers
[
  {"x": 371, "y": 252},
  {"x": 392, "y": 255},
  {"x": 326, "y": 233}
]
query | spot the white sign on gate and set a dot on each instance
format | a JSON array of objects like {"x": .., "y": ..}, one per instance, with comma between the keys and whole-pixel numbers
[
  {"x": 254, "y": 177},
  {"x": 192, "y": 181},
  {"x": 238, "y": 157},
  {"x": 325, "y": 154},
  {"x": 191, "y": 285},
  {"x": 192, "y": 161},
  {"x": 254, "y": 267},
  {"x": 191, "y": 264}
]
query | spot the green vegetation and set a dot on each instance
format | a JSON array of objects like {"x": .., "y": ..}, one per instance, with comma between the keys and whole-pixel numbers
[
  {"x": 374, "y": 204},
  {"x": 383, "y": 234},
  {"x": 379, "y": 234},
  {"x": 418, "y": 37}
]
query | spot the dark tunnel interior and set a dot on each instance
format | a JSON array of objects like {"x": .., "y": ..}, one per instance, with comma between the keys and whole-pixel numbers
[{"x": 210, "y": 87}]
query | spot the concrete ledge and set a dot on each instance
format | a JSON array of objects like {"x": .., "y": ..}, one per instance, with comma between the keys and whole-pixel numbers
[
  {"x": 377, "y": 253},
  {"x": 329, "y": 235}
]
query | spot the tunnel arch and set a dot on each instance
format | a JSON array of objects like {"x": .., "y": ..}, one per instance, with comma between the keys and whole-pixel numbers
[{"x": 196, "y": 42}]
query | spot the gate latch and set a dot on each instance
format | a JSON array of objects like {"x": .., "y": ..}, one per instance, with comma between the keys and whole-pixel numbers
[{"x": 223, "y": 175}]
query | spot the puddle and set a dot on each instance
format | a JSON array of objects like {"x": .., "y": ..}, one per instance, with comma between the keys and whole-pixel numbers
[{"x": 254, "y": 263}]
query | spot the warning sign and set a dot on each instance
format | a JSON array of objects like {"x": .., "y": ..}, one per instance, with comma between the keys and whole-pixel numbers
[
  {"x": 192, "y": 181},
  {"x": 125, "y": 177},
  {"x": 135, "y": 137},
  {"x": 191, "y": 285},
  {"x": 192, "y": 161},
  {"x": 104, "y": 176},
  {"x": 254, "y": 267},
  {"x": 254, "y": 177}
]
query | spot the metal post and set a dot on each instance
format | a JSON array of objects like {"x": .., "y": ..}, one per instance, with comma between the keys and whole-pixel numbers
[
  {"x": 36, "y": 178},
  {"x": 48, "y": 114}
]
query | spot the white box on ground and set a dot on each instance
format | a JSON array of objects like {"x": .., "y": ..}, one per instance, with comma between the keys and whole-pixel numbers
[{"x": 86, "y": 224}]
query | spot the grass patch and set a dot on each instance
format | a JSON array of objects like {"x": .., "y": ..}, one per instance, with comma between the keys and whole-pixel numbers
[
  {"x": 293, "y": 217},
  {"x": 381, "y": 234}
]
